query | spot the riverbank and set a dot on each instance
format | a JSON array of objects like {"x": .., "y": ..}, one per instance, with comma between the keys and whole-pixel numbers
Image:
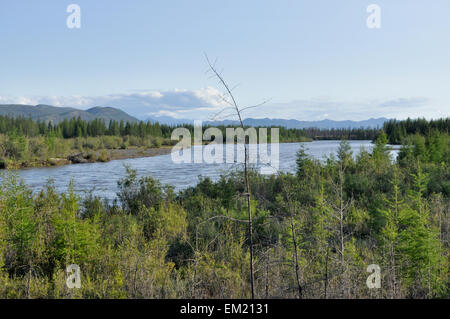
[
  {"x": 98, "y": 156},
  {"x": 19, "y": 152}
]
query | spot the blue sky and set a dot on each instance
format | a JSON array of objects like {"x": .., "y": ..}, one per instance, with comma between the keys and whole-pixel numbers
[{"x": 314, "y": 59}]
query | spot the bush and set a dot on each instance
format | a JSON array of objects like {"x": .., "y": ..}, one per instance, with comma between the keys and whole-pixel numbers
[
  {"x": 134, "y": 140},
  {"x": 124, "y": 145},
  {"x": 91, "y": 156},
  {"x": 15, "y": 147},
  {"x": 92, "y": 143},
  {"x": 103, "y": 156},
  {"x": 111, "y": 142},
  {"x": 156, "y": 143}
]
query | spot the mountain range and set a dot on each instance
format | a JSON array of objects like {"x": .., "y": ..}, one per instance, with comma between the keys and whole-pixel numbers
[
  {"x": 266, "y": 122},
  {"x": 57, "y": 114}
]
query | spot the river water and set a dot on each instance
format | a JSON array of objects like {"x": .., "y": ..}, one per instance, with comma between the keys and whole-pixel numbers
[{"x": 102, "y": 177}]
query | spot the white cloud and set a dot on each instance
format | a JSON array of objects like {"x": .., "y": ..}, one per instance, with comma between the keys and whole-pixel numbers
[
  {"x": 141, "y": 104},
  {"x": 163, "y": 113},
  {"x": 17, "y": 100},
  {"x": 327, "y": 108},
  {"x": 206, "y": 102}
]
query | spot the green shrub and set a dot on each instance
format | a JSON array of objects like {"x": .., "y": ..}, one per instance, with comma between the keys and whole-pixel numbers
[
  {"x": 103, "y": 156},
  {"x": 156, "y": 142},
  {"x": 134, "y": 141},
  {"x": 111, "y": 142}
]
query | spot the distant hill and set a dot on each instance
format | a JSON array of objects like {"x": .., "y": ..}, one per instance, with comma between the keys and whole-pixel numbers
[
  {"x": 323, "y": 124},
  {"x": 108, "y": 113},
  {"x": 169, "y": 120},
  {"x": 57, "y": 114},
  {"x": 266, "y": 122}
]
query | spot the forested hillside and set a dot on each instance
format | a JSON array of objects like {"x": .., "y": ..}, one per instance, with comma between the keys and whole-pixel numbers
[{"x": 48, "y": 113}]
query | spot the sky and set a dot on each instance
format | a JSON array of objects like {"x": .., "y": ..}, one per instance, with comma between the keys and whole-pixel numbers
[{"x": 308, "y": 59}]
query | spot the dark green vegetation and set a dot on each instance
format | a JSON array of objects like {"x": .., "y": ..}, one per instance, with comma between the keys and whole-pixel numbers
[
  {"x": 314, "y": 233},
  {"x": 27, "y": 143},
  {"x": 46, "y": 113},
  {"x": 322, "y": 124},
  {"x": 399, "y": 131},
  {"x": 77, "y": 127}
]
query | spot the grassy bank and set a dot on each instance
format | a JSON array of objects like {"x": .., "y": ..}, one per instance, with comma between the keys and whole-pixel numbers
[
  {"x": 22, "y": 152},
  {"x": 25, "y": 152}
]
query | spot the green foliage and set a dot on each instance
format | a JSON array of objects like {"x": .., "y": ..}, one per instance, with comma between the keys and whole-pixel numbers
[
  {"x": 317, "y": 230},
  {"x": 397, "y": 131}
]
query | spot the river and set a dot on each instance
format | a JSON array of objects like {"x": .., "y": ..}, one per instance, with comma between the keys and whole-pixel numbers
[{"x": 102, "y": 177}]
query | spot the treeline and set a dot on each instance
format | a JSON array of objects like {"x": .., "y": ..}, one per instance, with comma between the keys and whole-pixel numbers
[
  {"x": 28, "y": 143},
  {"x": 397, "y": 131},
  {"x": 338, "y": 134},
  {"x": 314, "y": 233},
  {"x": 76, "y": 127},
  {"x": 308, "y": 134}
]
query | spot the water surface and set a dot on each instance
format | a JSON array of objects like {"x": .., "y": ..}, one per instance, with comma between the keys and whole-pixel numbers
[{"x": 103, "y": 177}]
